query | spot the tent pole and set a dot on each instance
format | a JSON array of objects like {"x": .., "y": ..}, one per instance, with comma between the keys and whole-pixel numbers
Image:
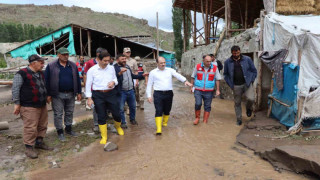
[{"x": 115, "y": 47}]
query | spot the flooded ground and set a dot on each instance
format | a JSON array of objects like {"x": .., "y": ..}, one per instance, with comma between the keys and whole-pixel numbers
[{"x": 184, "y": 151}]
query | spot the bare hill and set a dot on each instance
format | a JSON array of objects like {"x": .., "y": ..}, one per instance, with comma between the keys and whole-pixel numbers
[{"x": 55, "y": 16}]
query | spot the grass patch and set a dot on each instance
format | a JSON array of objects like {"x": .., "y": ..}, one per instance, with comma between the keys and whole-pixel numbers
[{"x": 3, "y": 63}]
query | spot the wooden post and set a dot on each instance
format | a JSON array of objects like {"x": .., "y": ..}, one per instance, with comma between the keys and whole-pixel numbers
[
  {"x": 184, "y": 30},
  {"x": 115, "y": 47},
  {"x": 81, "y": 53},
  {"x": 40, "y": 50},
  {"x": 246, "y": 16},
  {"x": 157, "y": 36},
  {"x": 207, "y": 33},
  {"x": 203, "y": 21},
  {"x": 271, "y": 89},
  {"x": 194, "y": 25},
  {"x": 210, "y": 20},
  {"x": 228, "y": 17},
  {"x": 89, "y": 43},
  {"x": 259, "y": 84},
  {"x": 154, "y": 54},
  {"x": 54, "y": 46}
]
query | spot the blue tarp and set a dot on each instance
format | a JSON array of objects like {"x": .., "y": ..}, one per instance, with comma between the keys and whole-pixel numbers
[
  {"x": 31, "y": 48},
  {"x": 288, "y": 95}
]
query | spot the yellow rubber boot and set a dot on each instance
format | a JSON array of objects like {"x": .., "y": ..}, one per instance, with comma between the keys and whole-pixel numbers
[
  {"x": 117, "y": 125},
  {"x": 165, "y": 120},
  {"x": 159, "y": 125},
  {"x": 103, "y": 131}
]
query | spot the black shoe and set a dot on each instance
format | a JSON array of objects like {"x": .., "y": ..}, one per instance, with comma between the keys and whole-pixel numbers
[
  {"x": 249, "y": 112},
  {"x": 124, "y": 126},
  {"x": 72, "y": 133},
  {"x": 239, "y": 122},
  {"x": 134, "y": 122},
  {"x": 61, "y": 137}
]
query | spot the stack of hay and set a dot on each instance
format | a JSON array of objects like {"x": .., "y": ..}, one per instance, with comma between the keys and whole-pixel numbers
[{"x": 298, "y": 7}]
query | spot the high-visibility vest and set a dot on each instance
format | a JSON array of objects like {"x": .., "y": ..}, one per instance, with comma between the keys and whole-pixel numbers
[
  {"x": 80, "y": 68},
  {"x": 205, "y": 81}
]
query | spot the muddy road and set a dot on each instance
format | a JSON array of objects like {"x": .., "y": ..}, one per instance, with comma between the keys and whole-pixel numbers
[{"x": 184, "y": 151}]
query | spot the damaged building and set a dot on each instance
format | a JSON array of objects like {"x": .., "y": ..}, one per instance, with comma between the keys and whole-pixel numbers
[{"x": 81, "y": 41}]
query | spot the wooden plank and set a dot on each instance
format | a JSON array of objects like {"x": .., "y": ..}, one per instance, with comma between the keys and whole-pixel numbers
[
  {"x": 89, "y": 43},
  {"x": 6, "y": 82}
]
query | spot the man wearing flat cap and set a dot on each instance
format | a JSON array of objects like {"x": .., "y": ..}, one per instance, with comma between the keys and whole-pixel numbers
[
  {"x": 63, "y": 84},
  {"x": 29, "y": 95}
]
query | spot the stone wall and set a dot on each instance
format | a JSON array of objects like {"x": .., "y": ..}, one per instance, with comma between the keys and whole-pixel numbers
[{"x": 246, "y": 41}]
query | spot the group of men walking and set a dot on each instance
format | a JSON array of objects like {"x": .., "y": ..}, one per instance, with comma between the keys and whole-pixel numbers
[{"x": 109, "y": 85}]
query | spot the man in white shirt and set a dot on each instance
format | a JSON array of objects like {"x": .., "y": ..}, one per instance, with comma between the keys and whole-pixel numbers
[
  {"x": 204, "y": 77},
  {"x": 102, "y": 78},
  {"x": 161, "y": 80}
]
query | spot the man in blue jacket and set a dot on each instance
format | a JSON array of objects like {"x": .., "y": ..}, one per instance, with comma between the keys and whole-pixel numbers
[
  {"x": 239, "y": 74},
  {"x": 125, "y": 89}
]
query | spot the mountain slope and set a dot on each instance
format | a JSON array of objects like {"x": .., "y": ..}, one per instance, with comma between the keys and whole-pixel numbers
[{"x": 55, "y": 16}]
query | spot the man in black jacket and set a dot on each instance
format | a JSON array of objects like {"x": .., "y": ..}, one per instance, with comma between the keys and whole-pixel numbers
[{"x": 126, "y": 89}]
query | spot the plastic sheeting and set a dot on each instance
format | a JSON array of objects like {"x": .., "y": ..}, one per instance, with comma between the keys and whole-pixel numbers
[
  {"x": 287, "y": 95},
  {"x": 31, "y": 48},
  {"x": 289, "y": 32}
]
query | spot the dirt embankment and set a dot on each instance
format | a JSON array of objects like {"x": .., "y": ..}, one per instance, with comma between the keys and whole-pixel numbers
[{"x": 268, "y": 139}]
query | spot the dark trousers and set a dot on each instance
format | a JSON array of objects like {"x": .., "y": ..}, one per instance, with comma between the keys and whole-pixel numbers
[
  {"x": 206, "y": 96},
  {"x": 162, "y": 102},
  {"x": 106, "y": 100}
]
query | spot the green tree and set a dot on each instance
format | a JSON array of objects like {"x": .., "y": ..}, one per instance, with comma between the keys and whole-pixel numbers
[
  {"x": 189, "y": 26},
  {"x": 177, "y": 27}
]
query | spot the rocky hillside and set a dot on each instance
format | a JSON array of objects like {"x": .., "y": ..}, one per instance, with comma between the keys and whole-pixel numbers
[{"x": 55, "y": 16}]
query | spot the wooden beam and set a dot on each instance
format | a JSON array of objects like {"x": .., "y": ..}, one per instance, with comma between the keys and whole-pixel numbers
[
  {"x": 81, "y": 53},
  {"x": 228, "y": 17},
  {"x": 206, "y": 25},
  {"x": 203, "y": 20},
  {"x": 89, "y": 43},
  {"x": 210, "y": 19},
  {"x": 40, "y": 50},
  {"x": 194, "y": 25},
  {"x": 239, "y": 5},
  {"x": 246, "y": 16},
  {"x": 218, "y": 10}
]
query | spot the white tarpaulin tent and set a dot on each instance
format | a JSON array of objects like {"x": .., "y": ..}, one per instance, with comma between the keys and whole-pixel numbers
[
  {"x": 300, "y": 35},
  {"x": 296, "y": 33}
]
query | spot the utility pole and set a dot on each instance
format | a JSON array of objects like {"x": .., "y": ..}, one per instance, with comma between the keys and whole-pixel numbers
[{"x": 157, "y": 36}]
